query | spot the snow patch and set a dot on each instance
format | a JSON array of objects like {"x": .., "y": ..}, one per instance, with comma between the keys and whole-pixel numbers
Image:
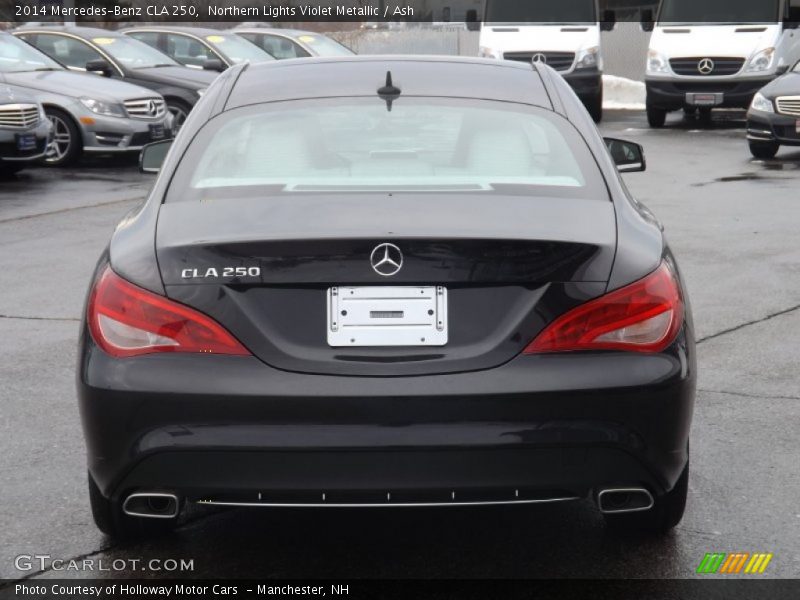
[{"x": 620, "y": 93}]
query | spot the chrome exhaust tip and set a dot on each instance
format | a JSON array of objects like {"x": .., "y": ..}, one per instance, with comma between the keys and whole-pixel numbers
[
  {"x": 624, "y": 500},
  {"x": 152, "y": 505}
]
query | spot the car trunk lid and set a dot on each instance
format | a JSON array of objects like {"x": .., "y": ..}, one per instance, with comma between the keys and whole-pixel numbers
[{"x": 264, "y": 269}]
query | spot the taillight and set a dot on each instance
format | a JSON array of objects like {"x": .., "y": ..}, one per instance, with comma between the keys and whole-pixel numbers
[
  {"x": 644, "y": 316},
  {"x": 126, "y": 320}
]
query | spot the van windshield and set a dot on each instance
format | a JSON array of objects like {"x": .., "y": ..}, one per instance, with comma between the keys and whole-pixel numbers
[
  {"x": 552, "y": 12},
  {"x": 719, "y": 12}
]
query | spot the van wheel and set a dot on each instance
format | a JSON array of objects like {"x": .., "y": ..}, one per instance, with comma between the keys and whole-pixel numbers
[
  {"x": 666, "y": 513},
  {"x": 67, "y": 145},
  {"x": 595, "y": 106},
  {"x": 764, "y": 150},
  {"x": 656, "y": 117},
  {"x": 109, "y": 518}
]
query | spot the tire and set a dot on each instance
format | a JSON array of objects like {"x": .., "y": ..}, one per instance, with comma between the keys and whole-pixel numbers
[
  {"x": 595, "y": 106},
  {"x": 666, "y": 513},
  {"x": 179, "y": 111},
  {"x": 67, "y": 141},
  {"x": 656, "y": 117},
  {"x": 109, "y": 518},
  {"x": 764, "y": 150}
]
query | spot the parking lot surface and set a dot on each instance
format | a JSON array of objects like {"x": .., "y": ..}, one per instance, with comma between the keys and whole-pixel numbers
[{"x": 734, "y": 226}]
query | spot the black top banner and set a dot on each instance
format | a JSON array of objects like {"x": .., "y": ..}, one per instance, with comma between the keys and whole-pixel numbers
[
  {"x": 465, "y": 14},
  {"x": 376, "y": 14}
]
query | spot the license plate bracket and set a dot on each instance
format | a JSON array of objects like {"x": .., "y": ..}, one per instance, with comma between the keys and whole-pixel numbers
[
  {"x": 704, "y": 98},
  {"x": 387, "y": 316}
]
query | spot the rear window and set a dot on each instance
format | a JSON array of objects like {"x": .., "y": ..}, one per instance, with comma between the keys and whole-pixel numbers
[{"x": 357, "y": 144}]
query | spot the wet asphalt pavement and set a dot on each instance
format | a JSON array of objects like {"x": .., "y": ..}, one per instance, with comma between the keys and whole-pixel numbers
[{"x": 734, "y": 224}]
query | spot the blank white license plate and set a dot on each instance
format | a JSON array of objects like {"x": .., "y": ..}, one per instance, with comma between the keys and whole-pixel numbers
[{"x": 387, "y": 316}]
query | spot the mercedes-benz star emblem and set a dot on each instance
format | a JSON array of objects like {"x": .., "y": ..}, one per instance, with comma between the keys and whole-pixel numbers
[
  {"x": 386, "y": 259},
  {"x": 539, "y": 58},
  {"x": 706, "y": 66},
  {"x": 152, "y": 109}
]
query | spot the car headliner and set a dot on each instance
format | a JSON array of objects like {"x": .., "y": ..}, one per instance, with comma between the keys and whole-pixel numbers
[{"x": 432, "y": 76}]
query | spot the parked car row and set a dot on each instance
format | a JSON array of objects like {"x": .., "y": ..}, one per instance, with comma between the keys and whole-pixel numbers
[{"x": 69, "y": 90}]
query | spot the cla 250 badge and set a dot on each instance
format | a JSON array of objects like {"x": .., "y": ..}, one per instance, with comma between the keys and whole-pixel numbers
[{"x": 221, "y": 272}]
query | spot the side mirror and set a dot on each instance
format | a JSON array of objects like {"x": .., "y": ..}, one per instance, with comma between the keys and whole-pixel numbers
[
  {"x": 472, "y": 20},
  {"x": 99, "y": 66},
  {"x": 213, "y": 64},
  {"x": 648, "y": 21},
  {"x": 628, "y": 156},
  {"x": 609, "y": 20},
  {"x": 152, "y": 156}
]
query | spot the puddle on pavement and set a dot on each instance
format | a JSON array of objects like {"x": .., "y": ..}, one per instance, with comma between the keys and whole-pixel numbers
[{"x": 763, "y": 175}]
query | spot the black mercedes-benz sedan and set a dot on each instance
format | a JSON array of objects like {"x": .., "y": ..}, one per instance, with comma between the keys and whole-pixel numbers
[
  {"x": 774, "y": 116},
  {"x": 387, "y": 282}
]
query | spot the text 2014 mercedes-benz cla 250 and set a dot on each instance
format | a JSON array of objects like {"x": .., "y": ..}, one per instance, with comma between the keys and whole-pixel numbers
[{"x": 381, "y": 282}]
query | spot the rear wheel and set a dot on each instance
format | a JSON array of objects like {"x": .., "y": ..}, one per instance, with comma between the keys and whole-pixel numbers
[
  {"x": 67, "y": 145},
  {"x": 109, "y": 518},
  {"x": 656, "y": 117},
  {"x": 764, "y": 150},
  {"x": 665, "y": 514}
]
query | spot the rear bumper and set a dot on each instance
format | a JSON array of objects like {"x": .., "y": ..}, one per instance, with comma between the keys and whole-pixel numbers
[
  {"x": 768, "y": 127},
  {"x": 671, "y": 94},
  {"x": 233, "y": 429}
]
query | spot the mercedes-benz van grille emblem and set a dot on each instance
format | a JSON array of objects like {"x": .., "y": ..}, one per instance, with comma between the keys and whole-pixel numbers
[
  {"x": 706, "y": 66},
  {"x": 539, "y": 57}
]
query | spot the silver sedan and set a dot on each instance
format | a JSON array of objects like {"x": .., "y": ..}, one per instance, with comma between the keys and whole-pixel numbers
[{"x": 89, "y": 114}]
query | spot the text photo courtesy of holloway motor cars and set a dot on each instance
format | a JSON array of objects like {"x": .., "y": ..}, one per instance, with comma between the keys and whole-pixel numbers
[{"x": 391, "y": 299}]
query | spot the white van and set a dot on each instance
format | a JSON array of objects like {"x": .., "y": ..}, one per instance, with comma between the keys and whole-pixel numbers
[
  {"x": 565, "y": 35},
  {"x": 716, "y": 53}
]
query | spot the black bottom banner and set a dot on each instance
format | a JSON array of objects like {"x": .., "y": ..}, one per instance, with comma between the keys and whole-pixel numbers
[{"x": 153, "y": 589}]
